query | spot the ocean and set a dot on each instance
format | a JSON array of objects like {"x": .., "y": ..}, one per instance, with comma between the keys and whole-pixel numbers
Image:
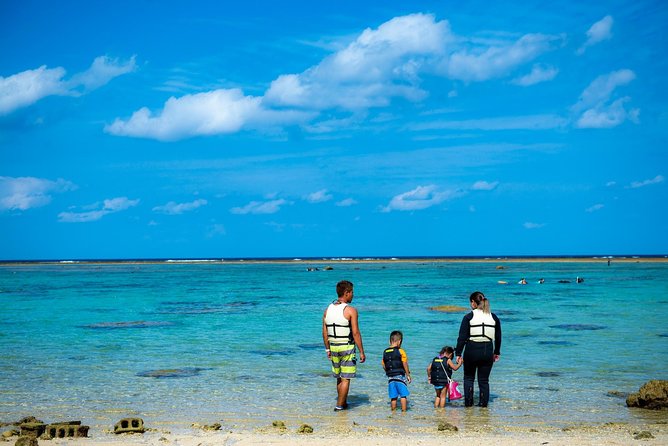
[{"x": 239, "y": 343}]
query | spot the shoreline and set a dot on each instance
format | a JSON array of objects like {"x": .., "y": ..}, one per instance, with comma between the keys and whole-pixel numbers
[
  {"x": 343, "y": 261},
  {"x": 607, "y": 434}
]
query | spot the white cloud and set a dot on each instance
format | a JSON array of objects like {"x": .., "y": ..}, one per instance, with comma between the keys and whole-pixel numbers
[
  {"x": 319, "y": 197},
  {"x": 656, "y": 180},
  {"x": 598, "y": 32},
  {"x": 594, "y": 106},
  {"x": 23, "y": 193},
  {"x": 483, "y": 62},
  {"x": 109, "y": 206},
  {"x": 530, "y": 225},
  {"x": 215, "y": 112},
  {"x": 594, "y": 208},
  {"x": 346, "y": 202},
  {"x": 484, "y": 185},
  {"x": 173, "y": 208},
  {"x": 539, "y": 73},
  {"x": 422, "y": 197},
  {"x": 260, "y": 207},
  {"x": 27, "y": 87},
  {"x": 381, "y": 63},
  {"x": 611, "y": 183},
  {"x": 101, "y": 72}
]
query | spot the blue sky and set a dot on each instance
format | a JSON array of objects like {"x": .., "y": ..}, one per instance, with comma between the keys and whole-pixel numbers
[{"x": 148, "y": 129}]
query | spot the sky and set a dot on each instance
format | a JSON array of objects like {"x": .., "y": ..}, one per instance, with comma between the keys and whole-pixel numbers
[{"x": 206, "y": 129}]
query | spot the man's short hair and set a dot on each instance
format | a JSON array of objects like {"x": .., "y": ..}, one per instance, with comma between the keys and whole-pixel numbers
[{"x": 343, "y": 286}]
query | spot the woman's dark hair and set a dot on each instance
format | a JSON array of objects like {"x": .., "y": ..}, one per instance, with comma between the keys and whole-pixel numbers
[{"x": 480, "y": 301}]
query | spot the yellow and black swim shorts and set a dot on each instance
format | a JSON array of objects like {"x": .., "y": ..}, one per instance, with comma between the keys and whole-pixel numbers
[{"x": 344, "y": 360}]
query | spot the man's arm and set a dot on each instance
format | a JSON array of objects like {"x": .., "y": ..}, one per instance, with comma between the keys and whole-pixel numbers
[
  {"x": 350, "y": 313},
  {"x": 325, "y": 335}
]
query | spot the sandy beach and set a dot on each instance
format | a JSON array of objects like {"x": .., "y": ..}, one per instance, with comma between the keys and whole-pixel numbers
[{"x": 608, "y": 434}]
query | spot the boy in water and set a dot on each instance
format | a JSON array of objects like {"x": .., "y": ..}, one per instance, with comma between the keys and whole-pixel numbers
[
  {"x": 395, "y": 363},
  {"x": 439, "y": 371}
]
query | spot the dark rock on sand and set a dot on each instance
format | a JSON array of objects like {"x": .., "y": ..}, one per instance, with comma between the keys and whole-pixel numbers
[
  {"x": 652, "y": 395},
  {"x": 32, "y": 429},
  {"x": 279, "y": 425},
  {"x": 305, "y": 429},
  {"x": 11, "y": 433},
  {"x": 447, "y": 427},
  {"x": 548, "y": 374},
  {"x": 27, "y": 441},
  {"x": 644, "y": 435}
]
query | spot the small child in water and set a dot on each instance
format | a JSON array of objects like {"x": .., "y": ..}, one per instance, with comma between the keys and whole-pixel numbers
[
  {"x": 395, "y": 363},
  {"x": 439, "y": 371}
]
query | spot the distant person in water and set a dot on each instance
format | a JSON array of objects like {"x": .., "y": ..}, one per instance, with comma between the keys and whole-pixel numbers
[
  {"x": 480, "y": 340},
  {"x": 440, "y": 371},
  {"x": 522, "y": 281},
  {"x": 395, "y": 364},
  {"x": 341, "y": 334}
]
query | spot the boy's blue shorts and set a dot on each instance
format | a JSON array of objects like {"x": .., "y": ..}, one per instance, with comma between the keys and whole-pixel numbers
[{"x": 397, "y": 389}]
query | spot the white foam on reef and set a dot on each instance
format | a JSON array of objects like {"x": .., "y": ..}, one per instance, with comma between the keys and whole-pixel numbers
[{"x": 69, "y": 261}]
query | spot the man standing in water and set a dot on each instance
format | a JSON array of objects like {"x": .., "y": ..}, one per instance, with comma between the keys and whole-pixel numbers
[{"x": 341, "y": 333}]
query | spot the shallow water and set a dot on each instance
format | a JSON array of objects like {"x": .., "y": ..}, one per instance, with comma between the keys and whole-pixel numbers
[{"x": 241, "y": 344}]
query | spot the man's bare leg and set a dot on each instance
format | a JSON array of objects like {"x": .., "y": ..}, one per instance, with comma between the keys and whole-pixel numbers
[{"x": 342, "y": 388}]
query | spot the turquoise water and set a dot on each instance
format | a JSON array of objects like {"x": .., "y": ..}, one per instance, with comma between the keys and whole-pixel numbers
[{"x": 84, "y": 341}]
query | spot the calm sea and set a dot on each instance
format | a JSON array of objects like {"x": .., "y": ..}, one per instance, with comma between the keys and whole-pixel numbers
[{"x": 241, "y": 344}]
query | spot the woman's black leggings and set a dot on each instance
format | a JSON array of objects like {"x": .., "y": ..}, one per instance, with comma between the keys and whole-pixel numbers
[{"x": 478, "y": 356}]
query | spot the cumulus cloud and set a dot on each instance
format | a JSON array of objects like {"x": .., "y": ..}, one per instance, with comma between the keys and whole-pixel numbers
[
  {"x": 530, "y": 225},
  {"x": 484, "y": 185},
  {"x": 422, "y": 197},
  {"x": 597, "y": 109},
  {"x": 379, "y": 65},
  {"x": 319, "y": 197},
  {"x": 210, "y": 113},
  {"x": 656, "y": 180},
  {"x": 27, "y": 87},
  {"x": 598, "y": 32},
  {"x": 594, "y": 208},
  {"x": 539, "y": 73},
  {"x": 346, "y": 202},
  {"x": 23, "y": 193},
  {"x": 173, "y": 208},
  {"x": 260, "y": 207},
  {"x": 109, "y": 206}
]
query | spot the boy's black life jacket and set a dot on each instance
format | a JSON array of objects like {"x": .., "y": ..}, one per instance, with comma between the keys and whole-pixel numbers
[
  {"x": 392, "y": 360},
  {"x": 439, "y": 376}
]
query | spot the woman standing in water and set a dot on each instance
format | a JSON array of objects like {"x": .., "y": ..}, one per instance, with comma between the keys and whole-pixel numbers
[{"x": 480, "y": 339}]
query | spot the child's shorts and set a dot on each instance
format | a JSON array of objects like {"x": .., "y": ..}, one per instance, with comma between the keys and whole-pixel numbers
[
  {"x": 439, "y": 387},
  {"x": 397, "y": 389}
]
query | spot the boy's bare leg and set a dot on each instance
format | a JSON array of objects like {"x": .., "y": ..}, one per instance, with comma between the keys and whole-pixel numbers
[
  {"x": 393, "y": 404},
  {"x": 404, "y": 404},
  {"x": 437, "y": 401}
]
